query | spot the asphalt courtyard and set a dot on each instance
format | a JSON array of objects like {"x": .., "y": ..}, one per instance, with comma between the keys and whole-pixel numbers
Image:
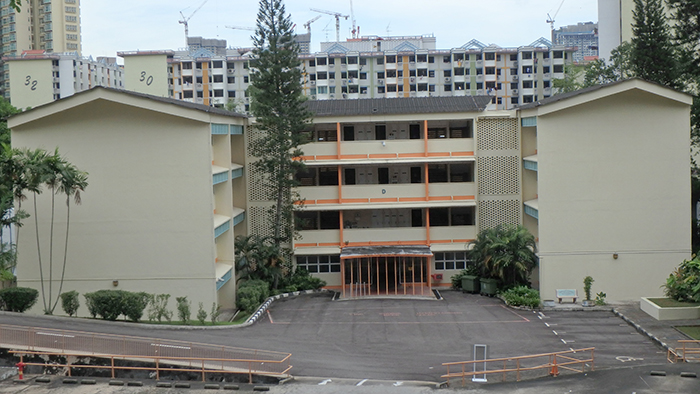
[{"x": 387, "y": 344}]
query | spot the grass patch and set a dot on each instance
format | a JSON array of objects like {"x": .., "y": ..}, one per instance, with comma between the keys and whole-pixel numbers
[
  {"x": 192, "y": 323},
  {"x": 691, "y": 331},
  {"x": 670, "y": 303}
]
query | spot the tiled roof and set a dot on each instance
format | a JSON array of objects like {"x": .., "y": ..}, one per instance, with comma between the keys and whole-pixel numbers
[{"x": 389, "y": 106}]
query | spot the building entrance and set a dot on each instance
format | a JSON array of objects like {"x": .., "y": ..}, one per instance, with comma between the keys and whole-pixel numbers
[{"x": 386, "y": 271}]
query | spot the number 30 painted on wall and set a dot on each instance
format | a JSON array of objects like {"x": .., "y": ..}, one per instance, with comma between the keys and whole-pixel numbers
[{"x": 148, "y": 79}]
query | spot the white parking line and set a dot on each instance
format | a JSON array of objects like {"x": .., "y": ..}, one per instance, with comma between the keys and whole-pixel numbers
[
  {"x": 325, "y": 382},
  {"x": 361, "y": 382}
]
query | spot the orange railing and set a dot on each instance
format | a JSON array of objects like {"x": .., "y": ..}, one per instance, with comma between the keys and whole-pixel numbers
[
  {"x": 687, "y": 351},
  {"x": 522, "y": 365},
  {"x": 191, "y": 355}
]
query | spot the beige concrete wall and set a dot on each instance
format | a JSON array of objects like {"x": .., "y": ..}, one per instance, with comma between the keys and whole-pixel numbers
[
  {"x": 146, "y": 216},
  {"x": 146, "y": 74},
  {"x": 31, "y": 83},
  {"x": 614, "y": 177}
]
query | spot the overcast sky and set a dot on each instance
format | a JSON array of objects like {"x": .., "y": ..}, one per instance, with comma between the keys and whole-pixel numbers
[{"x": 128, "y": 25}]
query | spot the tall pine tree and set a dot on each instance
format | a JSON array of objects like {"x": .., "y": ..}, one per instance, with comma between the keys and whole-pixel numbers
[
  {"x": 653, "y": 56},
  {"x": 277, "y": 104}
]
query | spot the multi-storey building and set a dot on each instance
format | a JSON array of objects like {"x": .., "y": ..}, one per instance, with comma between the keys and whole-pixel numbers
[
  {"x": 37, "y": 77},
  {"x": 368, "y": 67},
  {"x": 46, "y": 25},
  {"x": 582, "y": 36}
]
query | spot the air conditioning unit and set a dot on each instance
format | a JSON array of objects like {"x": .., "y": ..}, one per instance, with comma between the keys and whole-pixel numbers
[
  {"x": 350, "y": 80},
  {"x": 546, "y": 75},
  {"x": 345, "y": 82},
  {"x": 230, "y": 71},
  {"x": 515, "y": 77},
  {"x": 345, "y": 95},
  {"x": 313, "y": 83},
  {"x": 413, "y": 79},
  {"x": 448, "y": 80},
  {"x": 332, "y": 96},
  {"x": 514, "y": 91},
  {"x": 515, "y": 64},
  {"x": 380, "y": 82}
]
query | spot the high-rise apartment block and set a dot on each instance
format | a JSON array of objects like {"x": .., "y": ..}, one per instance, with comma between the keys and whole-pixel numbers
[
  {"x": 582, "y": 36},
  {"x": 367, "y": 67},
  {"x": 46, "y": 25}
]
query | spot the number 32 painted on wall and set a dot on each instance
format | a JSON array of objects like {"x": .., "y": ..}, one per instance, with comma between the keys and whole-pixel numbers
[{"x": 30, "y": 82}]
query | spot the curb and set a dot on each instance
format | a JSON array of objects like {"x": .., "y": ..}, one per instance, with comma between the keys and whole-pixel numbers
[
  {"x": 262, "y": 308},
  {"x": 641, "y": 329}
]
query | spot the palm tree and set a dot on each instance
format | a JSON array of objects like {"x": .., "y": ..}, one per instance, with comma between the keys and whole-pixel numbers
[
  {"x": 259, "y": 258},
  {"x": 505, "y": 252},
  {"x": 71, "y": 182}
]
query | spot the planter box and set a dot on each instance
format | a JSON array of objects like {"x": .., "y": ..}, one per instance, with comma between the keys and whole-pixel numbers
[
  {"x": 470, "y": 284},
  {"x": 489, "y": 287},
  {"x": 674, "y": 313}
]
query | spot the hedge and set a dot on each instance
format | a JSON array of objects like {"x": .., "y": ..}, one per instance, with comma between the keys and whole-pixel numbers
[{"x": 18, "y": 299}]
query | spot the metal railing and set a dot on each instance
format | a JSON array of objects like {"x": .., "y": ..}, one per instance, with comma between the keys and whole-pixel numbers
[
  {"x": 688, "y": 350},
  {"x": 191, "y": 355},
  {"x": 522, "y": 365}
]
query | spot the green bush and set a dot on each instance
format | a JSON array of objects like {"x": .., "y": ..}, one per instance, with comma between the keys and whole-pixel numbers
[
  {"x": 133, "y": 304},
  {"x": 300, "y": 280},
  {"x": 18, "y": 299},
  {"x": 522, "y": 296},
  {"x": 684, "y": 282},
  {"x": 70, "y": 302},
  {"x": 183, "y": 309},
  {"x": 110, "y": 304},
  {"x": 201, "y": 314},
  {"x": 158, "y": 308},
  {"x": 215, "y": 312},
  {"x": 251, "y": 294}
]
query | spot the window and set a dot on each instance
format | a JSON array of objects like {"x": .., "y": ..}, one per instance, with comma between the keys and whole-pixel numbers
[
  {"x": 489, "y": 56},
  {"x": 447, "y": 88},
  {"x": 218, "y": 78},
  {"x": 391, "y": 59},
  {"x": 331, "y": 75},
  {"x": 422, "y": 58},
  {"x": 312, "y": 63},
  {"x": 527, "y": 55},
  {"x": 391, "y": 88},
  {"x": 459, "y": 71},
  {"x": 479, "y": 71},
  {"x": 343, "y": 60},
  {"x": 321, "y": 61},
  {"x": 380, "y": 89},
  {"x": 514, "y": 57},
  {"x": 527, "y": 69},
  {"x": 514, "y": 100},
  {"x": 558, "y": 55},
  {"x": 352, "y": 60},
  {"x": 450, "y": 260},
  {"x": 527, "y": 84},
  {"x": 305, "y": 220},
  {"x": 231, "y": 94},
  {"x": 328, "y": 176},
  {"x": 479, "y": 85},
  {"x": 380, "y": 75},
  {"x": 422, "y": 72},
  {"x": 558, "y": 68},
  {"x": 458, "y": 57},
  {"x": 245, "y": 79},
  {"x": 363, "y": 61},
  {"x": 545, "y": 69},
  {"x": 380, "y": 60},
  {"x": 363, "y": 75},
  {"x": 391, "y": 73},
  {"x": 322, "y": 75},
  {"x": 490, "y": 70},
  {"x": 422, "y": 87},
  {"x": 343, "y": 75},
  {"x": 431, "y": 73},
  {"x": 431, "y": 88},
  {"x": 459, "y": 85},
  {"x": 446, "y": 73},
  {"x": 187, "y": 94},
  {"x": 218, "y": 64},
  {"x": 312, "y": 77},
  {"x": 319, "y": 264},
  {"x": 230, "y": 79},
  {"x": 218, "y": 93},
  {"x": 545, "y": 55},
  {"x": 322, "y": 89}
]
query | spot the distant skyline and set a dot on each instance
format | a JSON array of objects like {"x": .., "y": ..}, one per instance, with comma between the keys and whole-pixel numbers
[{"x": 129, "y": 25}]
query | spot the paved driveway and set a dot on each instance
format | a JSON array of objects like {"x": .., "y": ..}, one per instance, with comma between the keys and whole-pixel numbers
[{"x": 402, "y": 340}]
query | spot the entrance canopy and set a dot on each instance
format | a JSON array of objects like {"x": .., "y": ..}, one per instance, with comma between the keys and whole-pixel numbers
[
  {"x": 353, "y": 252},
  {"x": 386, "y": 270}
]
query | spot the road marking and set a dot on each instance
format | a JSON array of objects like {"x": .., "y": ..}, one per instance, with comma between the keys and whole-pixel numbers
[
  {"x": 555, "y": 333},
  {"x": 398, "y": 384},
  {"x": 361, "y": 382},
  {"x": 562, "y": 339},
  {"x": 391, "y": 314},
  {"x": 407, "y": 322},
  {"x": 546, "y": 324},
  {"x": 625, "y": 359},
  {"x": 572, "y": 349},
  {"x": 269, "y": 316},
  {"x": 325, "y": 382}
]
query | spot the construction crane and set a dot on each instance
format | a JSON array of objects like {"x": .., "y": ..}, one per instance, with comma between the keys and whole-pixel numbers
[
  {"x": 550, "y": 19},
  {"x": 355, "y": 31},
  {"x": 337, "y": 16},
  {"x": 185, "y": 20},
  {"x": 307, "y": 25},
  {"x": 240, "y": 28}
]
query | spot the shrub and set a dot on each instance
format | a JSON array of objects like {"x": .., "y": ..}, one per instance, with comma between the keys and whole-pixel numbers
[
  {"x": 215, "y": 312},
  {"x": 587, "y": 282},
  {"x": 300, "y": 280},
  {"x": 90, "y": 303},
  {"x": 158, "y": 308},
  {"x": 70, "y": 302},
  {"x": 684, "y": 282},
  {"x": 600, "y": 298},
  {"x": 133, "y": 305},
  {"x": 18, "y": 299},
  {"x": 201, "y": 314},
  {"x": 522, "y": 296},
  {"x": 106, "y": 303},
  {"x": 183, "y": 309},
  {"x": 252, "y": 293}
]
